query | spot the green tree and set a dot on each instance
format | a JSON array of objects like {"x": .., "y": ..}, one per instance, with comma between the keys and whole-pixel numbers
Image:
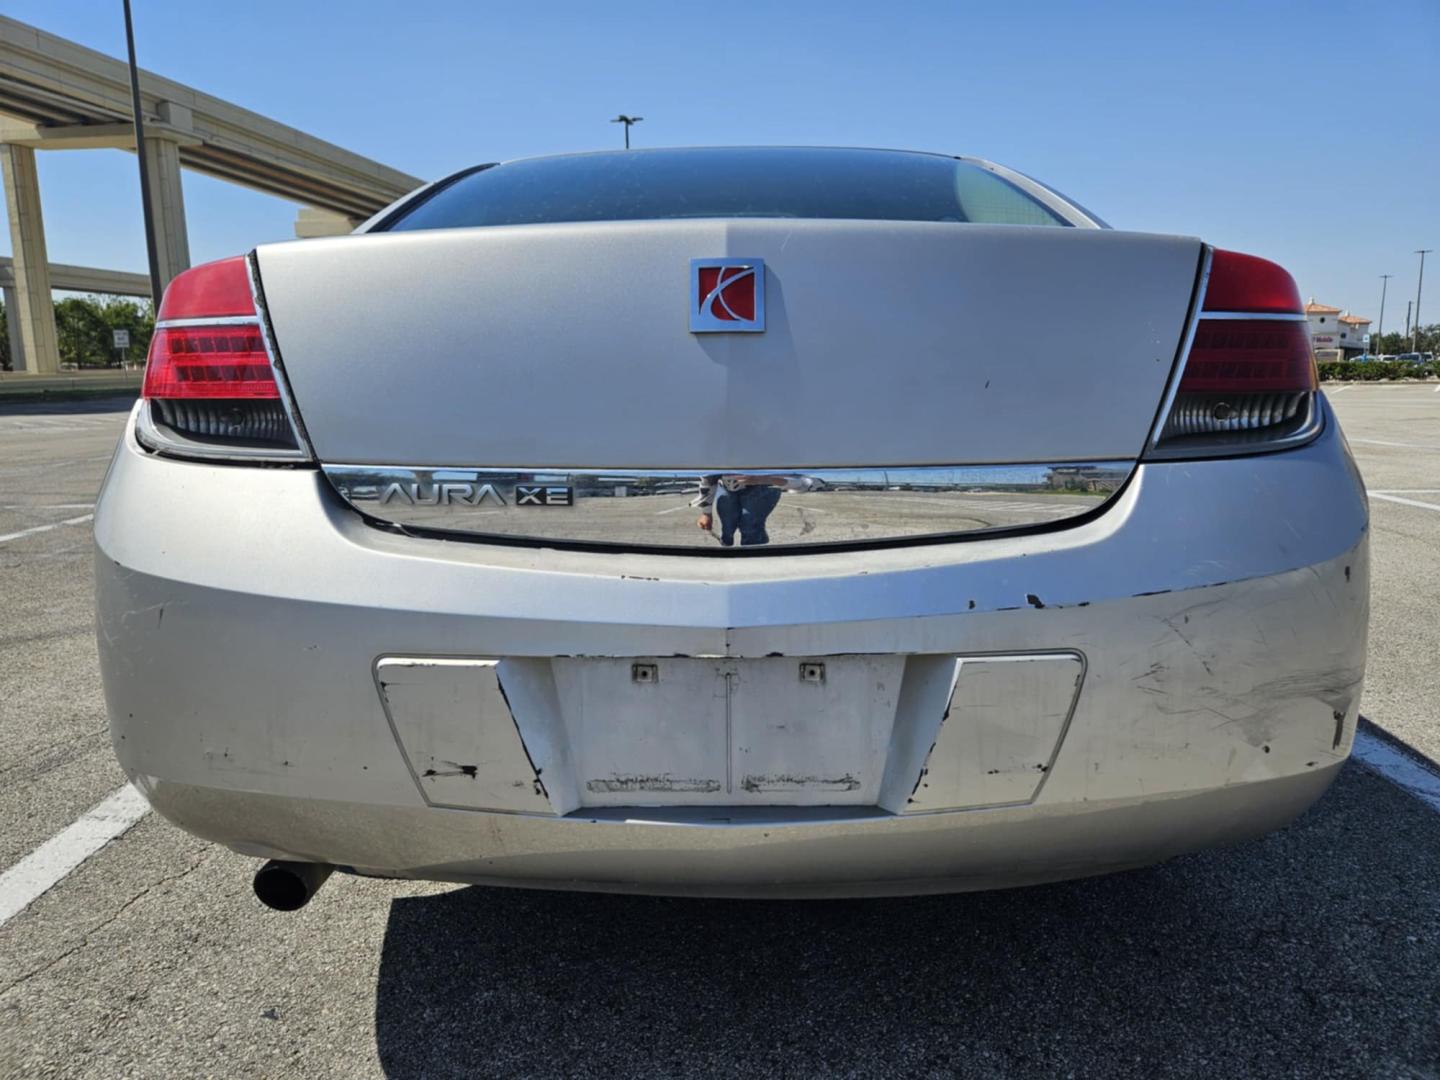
[
  {"x": 85, "y": 327},
  {"x": 134, "y": 316},
  {"x": 7, "y": 362},
  {"x": 81, "y": 332},
  {"x": 1392, "y": 344}
]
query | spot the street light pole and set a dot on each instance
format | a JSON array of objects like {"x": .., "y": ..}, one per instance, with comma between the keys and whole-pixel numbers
[
  {"x": 150, "y": 250},
  {"x": 1380, "y": 333},
  {"x": 621, "y": 119},
  {"x": 1415, "y": 339}
]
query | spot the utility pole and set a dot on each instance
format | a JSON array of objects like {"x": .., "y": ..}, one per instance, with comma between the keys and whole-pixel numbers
[
  {"x": 621, "y": 119},
  {"x": 150, "y": 250},
  {"x": 1415, "y": 339},
  {"x": 1380, "y": 332},
  {"x": 1408, "y": 303}
]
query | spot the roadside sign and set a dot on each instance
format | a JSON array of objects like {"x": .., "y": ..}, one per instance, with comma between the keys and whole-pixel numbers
[{"x": 122, "y": 339}]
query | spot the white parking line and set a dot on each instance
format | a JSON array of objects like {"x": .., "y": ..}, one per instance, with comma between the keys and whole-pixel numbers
[
  {"x": 1419, "y": 386},
  {"x": 7, "y": 537},
  {"x": 1341, "y": 389},
  {"x": 45, "y": 867},
  {"x": 1400, "y": 769},
  {"x": 1373, "y": 495}
]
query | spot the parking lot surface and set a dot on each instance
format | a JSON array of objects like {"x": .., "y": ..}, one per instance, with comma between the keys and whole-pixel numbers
[{"x": 1311, "y": 952}]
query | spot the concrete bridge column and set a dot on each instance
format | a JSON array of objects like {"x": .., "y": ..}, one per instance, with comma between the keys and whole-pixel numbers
[
  {"x": 17, "y": 347},
  {"x": 27, "y": 305},
  {"x": 167, "y": 205},
  {"x": 311, "y": 222}
]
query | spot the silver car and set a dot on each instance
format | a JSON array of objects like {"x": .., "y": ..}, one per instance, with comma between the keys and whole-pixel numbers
[{"x": 732, "y": 522}]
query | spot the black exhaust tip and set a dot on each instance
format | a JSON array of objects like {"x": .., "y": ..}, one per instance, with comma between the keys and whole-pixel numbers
[{"x": 289, "y": 886}]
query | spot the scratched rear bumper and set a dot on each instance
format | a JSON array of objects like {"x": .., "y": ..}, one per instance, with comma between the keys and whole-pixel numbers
[
  {"x": 1219, "y": 610},
  {"x": 842, "y": 856}
]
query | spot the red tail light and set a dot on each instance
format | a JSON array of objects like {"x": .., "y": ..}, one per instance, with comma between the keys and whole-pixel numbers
[
  {"x": 1249, "y": 377},
  {"x": 211, "y": 290},
  {"x": 224, "y": 359},
  {"x": 209, "y": 362},
  {"x": 1246, "y": 355},
  {"x": 1246, "y": 283},
  {"x": 210, "y": 387}
]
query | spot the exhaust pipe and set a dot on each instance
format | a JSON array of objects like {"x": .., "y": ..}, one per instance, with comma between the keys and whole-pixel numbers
[{"x": 289, "y": 886}]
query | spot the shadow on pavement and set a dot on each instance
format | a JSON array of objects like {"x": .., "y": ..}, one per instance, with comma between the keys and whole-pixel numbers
[
  {"x": 62, "y": 405},
  {"x": 1312, "y": 952}
]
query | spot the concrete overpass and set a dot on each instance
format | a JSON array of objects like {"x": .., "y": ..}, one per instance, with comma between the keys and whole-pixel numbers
[
  {"x": 56, "y": 95},
  {"x": 85, "y": 279}
]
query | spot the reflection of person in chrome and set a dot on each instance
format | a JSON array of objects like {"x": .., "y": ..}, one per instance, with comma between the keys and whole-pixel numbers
[{"x": 743, "y": 504}]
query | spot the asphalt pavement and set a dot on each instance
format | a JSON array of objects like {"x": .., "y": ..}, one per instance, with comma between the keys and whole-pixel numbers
[{"x": 1311, "y": 952}]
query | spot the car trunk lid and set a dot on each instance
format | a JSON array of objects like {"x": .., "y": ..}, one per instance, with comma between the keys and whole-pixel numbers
[{"x": 886, "y": 344}]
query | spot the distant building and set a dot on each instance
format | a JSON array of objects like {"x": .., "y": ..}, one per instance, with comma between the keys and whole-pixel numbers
[
  {"x": 1078, "y": 478},
  {"x": 1334, "y": 333}
]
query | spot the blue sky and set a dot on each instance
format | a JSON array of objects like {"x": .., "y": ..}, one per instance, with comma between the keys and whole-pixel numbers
[{"x": 1305, "y": 132}]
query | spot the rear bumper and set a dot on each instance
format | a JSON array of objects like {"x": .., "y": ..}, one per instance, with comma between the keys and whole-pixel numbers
[
  {"x": 1219, "y": 608},
  {"x": 880, "y": 856}
]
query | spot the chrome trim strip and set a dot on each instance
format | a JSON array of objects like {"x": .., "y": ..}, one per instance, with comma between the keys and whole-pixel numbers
[
  {"x": 661, "y": 510},
  {"x": 257, "y": 297},
  {"x": 1249, "y": 315},
  {"x": 1184, "y": 355},
  {"x": 217, "y": 320}
]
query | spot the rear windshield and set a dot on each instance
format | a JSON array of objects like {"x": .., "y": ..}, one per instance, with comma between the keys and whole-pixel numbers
[{"x": 758, "y": 182}]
